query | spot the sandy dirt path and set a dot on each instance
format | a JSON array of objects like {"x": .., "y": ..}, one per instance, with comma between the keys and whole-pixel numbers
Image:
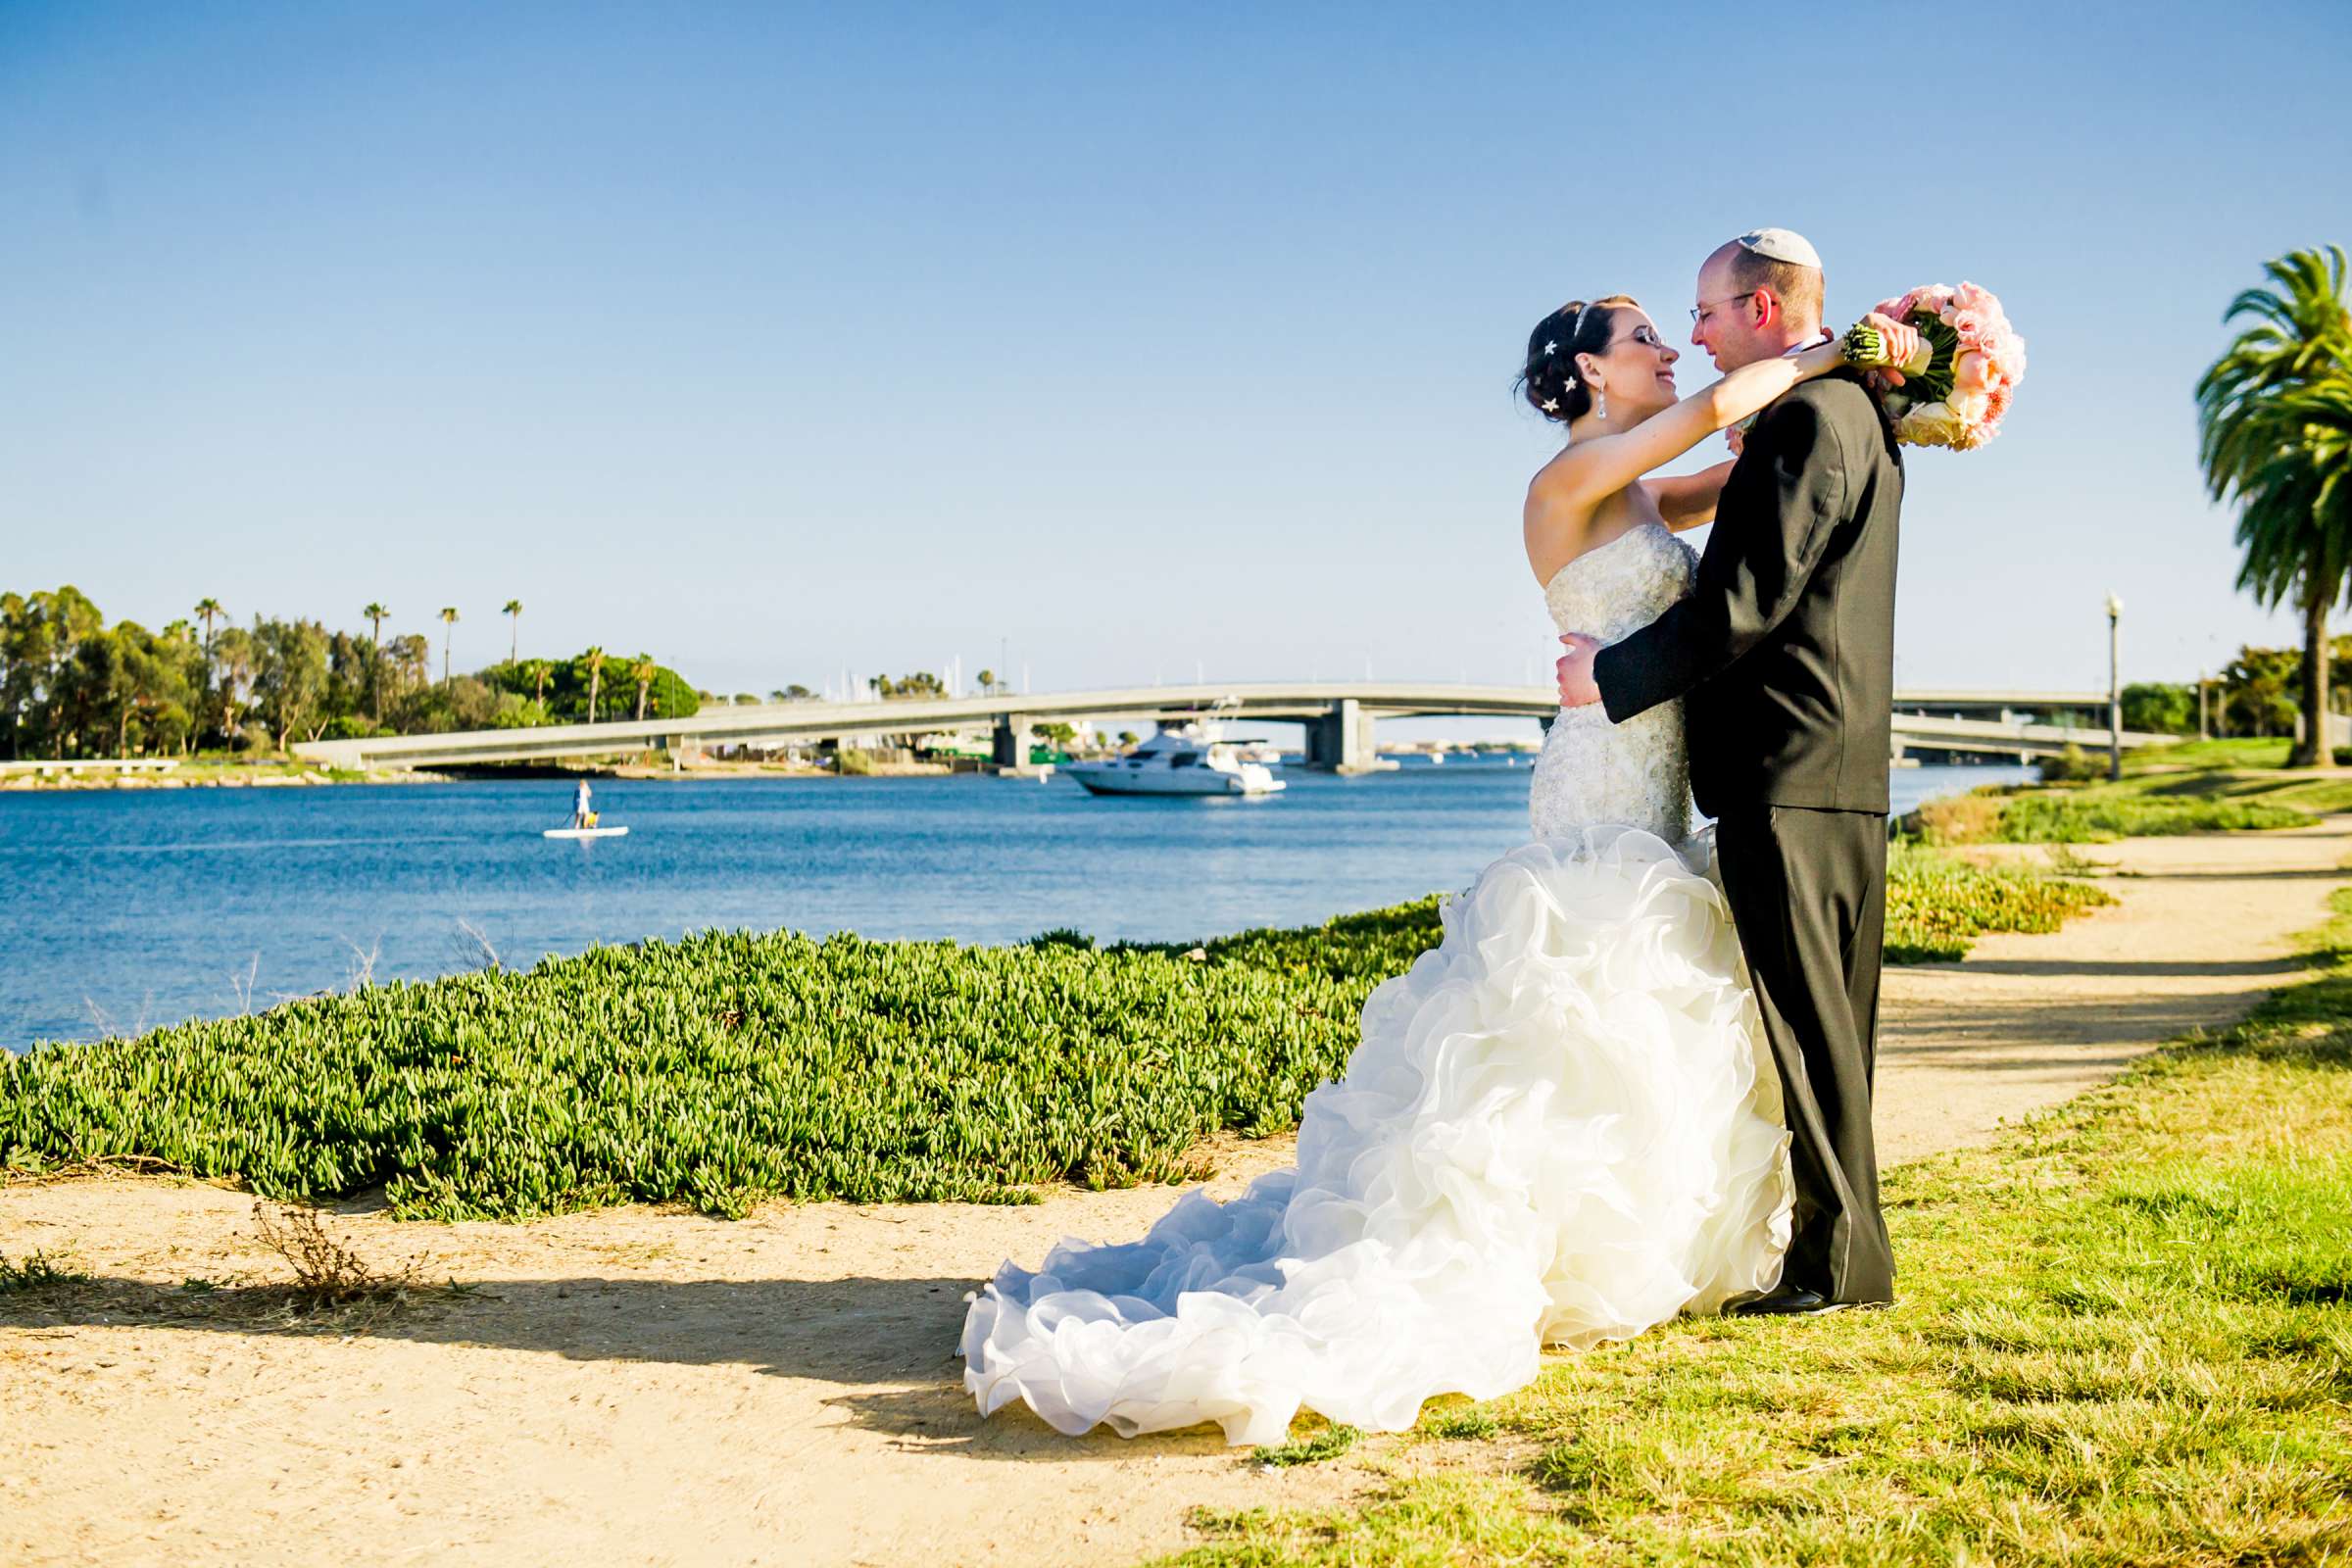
[
  {"x": 2205, "y": 927},
  {"x": 649, "y": 1387}
]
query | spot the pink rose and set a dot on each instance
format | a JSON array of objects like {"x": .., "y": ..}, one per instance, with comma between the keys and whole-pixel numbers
[
  {"x": 1972, "y": 373},
  {"x": 1972, "y": 298}
]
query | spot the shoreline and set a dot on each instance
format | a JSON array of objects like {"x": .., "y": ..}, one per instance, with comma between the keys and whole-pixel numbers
[
  {"x": 315, "y": 778},
  {"x": 290, "y": 776}
]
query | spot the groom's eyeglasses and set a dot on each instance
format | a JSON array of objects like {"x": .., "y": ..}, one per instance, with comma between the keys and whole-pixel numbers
[{"x": 1700, "y": 313}]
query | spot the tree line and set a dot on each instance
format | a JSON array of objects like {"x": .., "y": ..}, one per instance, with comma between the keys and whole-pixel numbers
[
  {"x": 2262, "y": 691},
  {"x": 2259, "y": 693},
  {"x": 72, "y": 685}
]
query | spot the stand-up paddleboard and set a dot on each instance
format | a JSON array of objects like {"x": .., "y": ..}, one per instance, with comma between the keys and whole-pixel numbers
[{"x": 583, "y": 832}]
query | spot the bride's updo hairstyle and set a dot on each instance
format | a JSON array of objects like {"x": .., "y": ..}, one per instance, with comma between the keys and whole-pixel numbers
[{"x": 1551, "y": 382}]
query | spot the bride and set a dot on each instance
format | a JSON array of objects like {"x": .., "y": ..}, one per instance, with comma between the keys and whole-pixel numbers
[{"x": 1561, "y": 1126}]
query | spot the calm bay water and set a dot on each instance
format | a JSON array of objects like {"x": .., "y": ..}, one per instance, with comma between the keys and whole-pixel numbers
[{"x": 131, "y": 909}]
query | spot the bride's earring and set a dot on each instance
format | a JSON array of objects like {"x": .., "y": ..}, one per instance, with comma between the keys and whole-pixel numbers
[{"x": 1600, "y": 403}]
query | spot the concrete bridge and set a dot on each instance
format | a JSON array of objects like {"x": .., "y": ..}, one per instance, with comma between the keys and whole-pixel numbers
[
  {"x": 2017, "y": 736},
  {"x": 1972, "y": 703},
  {"x": 1339, "y": 718}
]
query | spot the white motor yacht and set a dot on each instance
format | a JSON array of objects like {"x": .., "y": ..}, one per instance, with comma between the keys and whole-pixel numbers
[{"x": 1188, "y": 760}]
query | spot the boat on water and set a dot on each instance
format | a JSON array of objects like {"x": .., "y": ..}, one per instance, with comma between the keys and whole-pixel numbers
[
  {"x": 584, "y": 824},
  {"x": 1190, "y": 760}
]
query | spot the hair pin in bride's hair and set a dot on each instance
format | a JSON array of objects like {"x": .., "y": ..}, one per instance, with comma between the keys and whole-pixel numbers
[
  {"x": 1551, "y": 405},
  {"x": 1551, "y": 345}
]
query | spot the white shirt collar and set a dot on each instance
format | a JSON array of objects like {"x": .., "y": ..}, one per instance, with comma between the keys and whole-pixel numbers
[{"x": 1800, "y": 348}]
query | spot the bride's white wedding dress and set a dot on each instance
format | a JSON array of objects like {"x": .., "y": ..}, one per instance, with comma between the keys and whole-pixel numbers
[{"x": 1561, "y": 1126}]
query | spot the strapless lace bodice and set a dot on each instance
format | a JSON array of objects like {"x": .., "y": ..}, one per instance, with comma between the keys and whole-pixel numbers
[
  {"x": 1622, "y": 586},
  {"x": 1593, "y": 773}
]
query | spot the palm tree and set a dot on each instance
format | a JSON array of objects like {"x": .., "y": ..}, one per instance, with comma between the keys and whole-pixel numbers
[
  {"x": 537, "y": 672},
  {"x": 2272, "y": 413},
  {"x": 513, "y": 610},
  {"x": 207, "y": 610},
  {"x": 448, "y": 618},
  {"x": 2295, "y": 524},
  {"x": 375, "y": 614},
  {"x": 594, "y": 659},
  {"x": 644, "y": 671},
  {"x": 988, "y": 683}
]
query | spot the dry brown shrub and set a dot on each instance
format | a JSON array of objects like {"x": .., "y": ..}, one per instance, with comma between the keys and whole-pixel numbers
[
  {"x": 1960, "y": 819},
  {"x": 326, "y": 1272}
]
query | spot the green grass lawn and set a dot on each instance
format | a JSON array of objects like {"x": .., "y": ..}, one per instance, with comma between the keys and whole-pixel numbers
[
  {"x": 2122, "y": 1339},
  {"x": 2255, "y": 753},
  {"x": 2198, "y": 787},
  {"x": 2250, "y": 770},
  {"x": 725, "y": 1068}
]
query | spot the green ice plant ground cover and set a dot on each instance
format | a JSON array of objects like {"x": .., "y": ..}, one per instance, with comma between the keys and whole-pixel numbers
[
  {"x": 2122, "y": 1339},
  {"x": 727, "y": 1068}
]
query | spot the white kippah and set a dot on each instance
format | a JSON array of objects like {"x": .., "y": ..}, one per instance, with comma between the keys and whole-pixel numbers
[{"x": 1781, "y": 245}]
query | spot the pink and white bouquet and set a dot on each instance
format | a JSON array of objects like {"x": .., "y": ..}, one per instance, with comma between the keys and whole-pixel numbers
[{"x": 1956, "y": 389}]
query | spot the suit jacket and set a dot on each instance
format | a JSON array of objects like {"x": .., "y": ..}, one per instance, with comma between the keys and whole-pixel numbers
[{"x": 1785, "y": 648}]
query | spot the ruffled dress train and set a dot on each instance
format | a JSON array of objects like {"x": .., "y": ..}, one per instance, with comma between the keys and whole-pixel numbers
[{"x": 1560, "y": 1127}]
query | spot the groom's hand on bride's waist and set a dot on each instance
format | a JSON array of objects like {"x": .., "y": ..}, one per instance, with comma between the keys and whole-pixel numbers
[{"x": 1575, "y": 667}]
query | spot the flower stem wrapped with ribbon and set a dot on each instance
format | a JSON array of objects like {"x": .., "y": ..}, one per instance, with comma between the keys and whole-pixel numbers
[{"x": 1956, "y": 389}]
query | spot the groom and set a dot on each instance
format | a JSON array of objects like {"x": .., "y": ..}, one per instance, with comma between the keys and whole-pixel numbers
[{"x": 1785, "y": 652}]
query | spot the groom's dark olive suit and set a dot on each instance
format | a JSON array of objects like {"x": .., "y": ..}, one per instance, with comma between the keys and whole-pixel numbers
[{"x": 1784, "y": 654}]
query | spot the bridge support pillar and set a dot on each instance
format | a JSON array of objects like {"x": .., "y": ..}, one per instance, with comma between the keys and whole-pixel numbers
[
  {"x": 1341, "y": 740},
  {"x": 1011, "y": 742}
]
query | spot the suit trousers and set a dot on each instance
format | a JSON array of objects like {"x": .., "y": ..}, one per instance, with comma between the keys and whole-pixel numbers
[{"x": 1808, "y": 892}]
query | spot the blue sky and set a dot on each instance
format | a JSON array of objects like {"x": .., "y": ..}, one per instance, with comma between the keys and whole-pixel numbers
[{"x": 780, "y": 341}]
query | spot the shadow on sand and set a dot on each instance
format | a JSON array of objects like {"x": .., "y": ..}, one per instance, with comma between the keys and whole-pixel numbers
[{"x": 889, "y": 1343}]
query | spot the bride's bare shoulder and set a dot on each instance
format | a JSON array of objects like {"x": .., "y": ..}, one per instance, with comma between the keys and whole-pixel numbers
[{"x": 1555, "y": 522}]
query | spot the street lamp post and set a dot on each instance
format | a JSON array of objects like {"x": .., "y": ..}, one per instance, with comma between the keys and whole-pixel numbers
[{"x": 2114, "y": 688}]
